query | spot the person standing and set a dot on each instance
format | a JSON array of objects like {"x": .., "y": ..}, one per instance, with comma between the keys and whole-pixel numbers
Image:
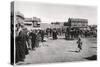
[
  {"x": 29, "y": 41},
  {"x": 24, "y": 36},
  {"x": 20, "y": 53},
  {"x": 33, "y": 38},
  {"x": 55, "y": 34},
  {"x": 42, "y": 35},
  {"x": 38, "y": 38},
  {"x": 21, "y": 47}
]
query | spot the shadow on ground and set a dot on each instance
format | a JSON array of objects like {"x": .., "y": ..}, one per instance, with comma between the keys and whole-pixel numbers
[
  {"x": 66, "y": 39},
  {"x": 93, "y": 47},
  {"x": 94, "y": 57},
  {"x": 73, "y": 51}
]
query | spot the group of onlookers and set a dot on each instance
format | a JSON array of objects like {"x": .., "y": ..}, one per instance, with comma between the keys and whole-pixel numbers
[
  {"x": 70, "y": 33},
  {"x": 49, "y": 31},
  {"x": 75, "y": 33},
  {"x": 26, "y": 40},
  {"x": 20, "y": 44}
]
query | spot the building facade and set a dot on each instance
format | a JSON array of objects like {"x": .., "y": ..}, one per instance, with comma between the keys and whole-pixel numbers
[
  {"x": 32, "y": 23},
  {"x": 78, "y": 23}
]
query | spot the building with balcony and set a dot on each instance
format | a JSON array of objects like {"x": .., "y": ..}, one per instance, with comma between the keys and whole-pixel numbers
[
  {"x": 31, "y": 23},
  {"x": 78, "y": 22}
]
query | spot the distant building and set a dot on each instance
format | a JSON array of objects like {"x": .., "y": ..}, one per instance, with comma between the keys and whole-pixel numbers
[
  {"x": 31, "y": 23},
  {"x": 44, "y": 26},
  {"x": 57, "y": 24},
  {"x": 77, "y": 22}
]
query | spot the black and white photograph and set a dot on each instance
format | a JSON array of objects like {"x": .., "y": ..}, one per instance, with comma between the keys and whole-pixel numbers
[{"x": 53, "y": 33}]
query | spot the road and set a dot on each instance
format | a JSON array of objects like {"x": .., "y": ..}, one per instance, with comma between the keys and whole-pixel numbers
[{"x": 61, "y": 50}]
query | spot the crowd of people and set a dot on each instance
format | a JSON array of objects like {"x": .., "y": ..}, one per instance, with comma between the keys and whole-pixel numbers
[
  {"x": 29, "y": 40},
  {"x": 72, "y": 33},
  {"x": 54, "y": 32},
  {"x": 26, "y": 40}
]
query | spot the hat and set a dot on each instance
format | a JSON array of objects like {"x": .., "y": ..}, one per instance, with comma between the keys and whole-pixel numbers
[{"x": 18, "y": 14}]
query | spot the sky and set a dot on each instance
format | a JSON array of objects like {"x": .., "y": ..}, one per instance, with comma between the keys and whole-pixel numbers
[{"x": 56, "y": 12}]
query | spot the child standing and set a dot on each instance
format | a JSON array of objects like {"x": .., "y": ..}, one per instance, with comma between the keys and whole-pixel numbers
[{"x": 79, "y": 42}]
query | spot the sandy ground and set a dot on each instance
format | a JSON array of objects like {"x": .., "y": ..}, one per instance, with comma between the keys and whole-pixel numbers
[{"x": 61, "y": 50}]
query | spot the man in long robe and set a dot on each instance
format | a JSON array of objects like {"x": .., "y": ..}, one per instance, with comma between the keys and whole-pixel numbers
[{"x": 33, "y": 39}]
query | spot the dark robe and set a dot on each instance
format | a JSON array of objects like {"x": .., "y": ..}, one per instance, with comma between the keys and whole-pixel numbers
[
  {"x": 54, "y": 35},
  {"x": 33, "y": 39},
  {"x": 21, "y": 48},
  {"x": 42, "y": 36},
  {"x": 20, "y": 53}
]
